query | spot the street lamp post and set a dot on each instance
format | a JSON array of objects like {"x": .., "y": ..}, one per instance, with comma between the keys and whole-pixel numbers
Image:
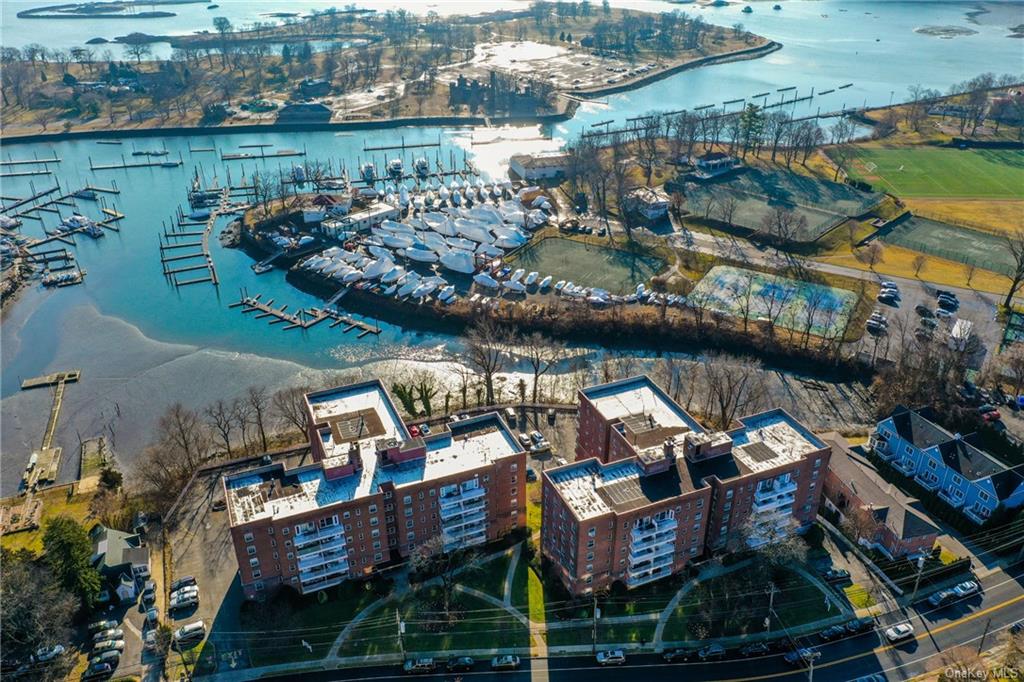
[{"x": 917, "y": 581}]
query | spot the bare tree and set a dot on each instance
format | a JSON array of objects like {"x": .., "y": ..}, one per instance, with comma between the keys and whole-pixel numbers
[
  {"x": 727, "y": 209},
  {"x": 1011, "y": 364},
  {"x": 431, "y": 558},
  {"x": 485, "y": 351},
  {"x": 289, "y": 406},
  {"x": 918, "y": 264},
  {"x": 842, "y": 134},
  {"x": 1015, "y": 243},
  {"x": 222, "y": 422},
  {"x": 732, "y": 385},
  {"x": 257, "y": 399},
  {"x": 542, "y": 354}
]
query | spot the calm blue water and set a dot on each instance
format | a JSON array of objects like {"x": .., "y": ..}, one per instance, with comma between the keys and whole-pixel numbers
[{"x": 872, "y": 44}]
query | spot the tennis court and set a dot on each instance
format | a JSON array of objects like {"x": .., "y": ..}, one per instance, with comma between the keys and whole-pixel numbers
[
  {"x": 733, "y": 290},
  {"x": 589, "y": 265},
  {"x": 945, "y": 172},
  {"x": 959, "y": 244},
  {"x": 821, "y": 203}
]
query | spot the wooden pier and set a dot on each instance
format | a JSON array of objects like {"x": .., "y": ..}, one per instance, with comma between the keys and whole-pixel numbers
[
  {"x": 124, "y": 165},
  {"x": 402, "y": 146},
  {"x": 25, "y": 174},
  {"x": 53, "y": 379},
  {"x": 170, "y": 258},
  {"x": 261, "y": 154},
  {"x": 303, "y": 319},
  {"x": 27, "y": 162}
]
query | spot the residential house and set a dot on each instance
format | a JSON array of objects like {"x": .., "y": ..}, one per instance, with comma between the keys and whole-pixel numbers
[
  {"x": 121, "y": 559},
  {"x": 853, "y": 486},
  {"x": 540, "y": 166},
  {"x": 952, "y": 466}
]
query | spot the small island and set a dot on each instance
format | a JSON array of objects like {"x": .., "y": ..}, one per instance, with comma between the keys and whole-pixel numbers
[{"x": 103, "y": 10}]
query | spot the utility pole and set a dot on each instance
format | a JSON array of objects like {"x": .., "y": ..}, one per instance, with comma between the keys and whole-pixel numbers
[
  {"x": 917, "y": 581},
  {"x": 771, "y": 607},
  {"x": 981, "y": 644},
  {"x": 810, "y": 671},
  {"x": 597, "y": 614},
  {"x": 401, "y": 632}
]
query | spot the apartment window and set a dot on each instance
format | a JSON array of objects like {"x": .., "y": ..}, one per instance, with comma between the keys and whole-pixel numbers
[
  {"x": 378, "y": 557},
  {"x": 514, "y": 467},
  {"x": 906, "y": 449},
  {"x": 590, "y": 568},
  {"x": 487, "y": 479},
  {"x": 390, "y": 519},
  {"x": 276, "y": 556},
  {"x": 387, "y": 495},
  {"x": 693, "y": 551},
  {"x": 290, "y": 555},
  {"x": 287, "y": 543},
  {"x": 812, "y": 486},
  {"x": 373, "y": 509},
  {"x": 347, "y": 515},
  {"x": 295, "y": 579},
  {"x": 814, "y": 474},
  {"x": 327, "y": 522},
  {"x": 291, "y": 568},
  {"x": 359, "y": 524},
  {"x": 700, "y": 503},
  {"x": 983, "y": 496},
  {"x": 258, "y": 586},
  {"x": 374, "y": 521},
  {"x": 589, "y": 579},
  {"x": 254, "y": 562},
  {"x": 590, "y": 556},
  {"x": 376, "y": 544},
  {"x": 432, "y": 492},
  {"x": 421, "y": 496},
  {"x": 931, "y": 464},
  {"x": 817, "y": 463},
  {"x": 273, "y": 543},
  {"x": 728, "y": 494},
  {"x": 359, "y": 512},
  {"x": 408, "y": 512},
  {"x": 251, "y": 550},
  {"x": 407, "y": 499},
  {"x": 411, "y": 547},
  {"x": 696, "y": 527},
  {"x": 248, "y": 537},
  {"x": 590, "y": 543},
  {"x": 286, "y": 530},
  {"x": 270, "y": 530},
  {"x": 514, "y": 479},
  {"x": 723, "y": 530},
  {"x": 515, "y": 501},
  {"x": 957, "y": 480},
  {"x": 592, "y": 532},
  {"x": 410, "y": 523},
  {"x": 348, "y": 527},
  {"x": 411, "y": 535},
  {"x": 698, "y": 516}
]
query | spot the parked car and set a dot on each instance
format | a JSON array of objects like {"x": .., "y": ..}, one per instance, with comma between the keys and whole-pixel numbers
[
  {"x": 801, "y": 656},
  {"x": 181, "y": 582},
  {"x": 537, "y": 436},
  {"x": 111, "y": 657},
  {"x": 419, "y": 666},
  {"x": 941, "y": 598},
  {"x": 711, "y": 652},
  {"x": 193, "y": 632},
  {"x": 551, "y": 415},
  {"x": 924, "y": 311},
  {"x": 992, "y": 416},
  {"x": 183, "y": 601},
  {"x": 414, "y": 430},
  {"x": 524, "y": 440},
  {"x": 899, "y": 632},
  {"x": 611, "y": 657},
  {"x": 966, "y": 589},
  {"x": 948, "y": 304},
  {"x": 676, "y": 655},
  {"x": 755, "y": 649},
  {"x": 149, "y": 640},
  {"x": 460, "y": 663},
  {"x": 425, "y": 429},
  {"x": 507, "y": 662},
  {"x": 102, "y": 625},
  {"x": 531, "y": 475},
  {"x": 114, "y": 633},
  {"x": 152, "y": 616},
  {"x": 48, "y": 653},
  {"x": 833, "y": 632},
  {"x": 108, "y": 645},
  {"x": 98, "y": 669},
  {"x": 986, "y": 408},
  {"x": 943, "y": 313},
  {"x": 929, "y": 323},
  {"x": 149, "y": 592},
  {"x": 836, "y": 575},
  {"x": 219, "y": 505},
  {"x": 859, "y": 625}
]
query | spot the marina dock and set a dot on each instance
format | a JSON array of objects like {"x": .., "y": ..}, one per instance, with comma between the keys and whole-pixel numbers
[
  {"x": 303, "y": 319},
  {"x": 169, "y": 244}
]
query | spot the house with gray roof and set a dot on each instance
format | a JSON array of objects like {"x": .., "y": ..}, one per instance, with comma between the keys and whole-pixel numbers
[{"x": 120, "y": 558}]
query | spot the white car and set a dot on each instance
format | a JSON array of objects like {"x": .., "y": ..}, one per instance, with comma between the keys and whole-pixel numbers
[
  {"x": 899, "y": 632},
  {"x": 183, "y": 600},
  {"x": 612, "y": 657},
  {"x": 45, "y": 654},
  {"x": 967, "y": 588},
  {"x": 191, "y": 632}
]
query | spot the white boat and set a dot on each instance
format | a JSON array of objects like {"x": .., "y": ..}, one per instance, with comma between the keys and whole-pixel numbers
[
  {"x": 422, "y": 167},
  {"x": 392, "y": 275},
  {"x": 396, "y": 241},
  {"x": 458, "y": 260},
  {"x": 531, "y": 278},
  {"x": 435, "y": 242},
  {"x": 443, "y": 193},
  {"x": 489, "y": 250},
  {"x": 421, "y": 253},
  {"x": 306, "y": 240},
  {"x": 517, "y": 287},
  {"x": 446, "y": 293},
  {"x": 559, "y": 285},
  {"x": 517, "y": 275},
  {"x": 403, "y": 195},
  {"x": 368, "y": 172},
  {"x": 395, "y": 168},
  {"x": 378, "y": 251},
  {"x": 424, "y": 290},
  {"x": 544, "y": 283},
  {"x": 508, "y": 241},
  {"x": 397, "y": 228},
  {"x": 473, "y": 230},
  {"x": 409, "y": 284},
  {"x": 485, "y": 280},
  {"x": 378, "y": 267},
  {"x": 333, "y": 267},
  {"x": 640, "y": 290},
  {"x": 461, "y": 243},
  {"x": 354, "y": 275},
  {"x": 342, "y": 273},
  {"x": 456, "y": 198}
]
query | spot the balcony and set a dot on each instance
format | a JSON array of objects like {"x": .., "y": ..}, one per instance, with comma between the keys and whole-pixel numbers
[
  {"x": 906, "y": 466},
  {"x": 468, "y": 539},
  {"x": 463, "y": 506},
  {"x": 653, "y": 530},
  {"x": 643, "y": 579},
  {"x": 766, "y": 505},
  {"x": 307, "y": 588},
  {"x": 318, "y": 534},
  {"x": 928, "y": 481},
  {"x": 767, "y": 493},
  {"x": 313, "y": 560},
  {"x": 977, "y": 514},
  {"x": 457, "y": 498},
  {"x": 322, "y": 546},
  {"x": 657, "y": 540},
  {"x": 880, "y": 446},
  {"x": 648, "y": 553},
  {"x": 450, "y": 525},
  {"x": 336, "y": 568},
  {"x": 649, "y": 564},
  {"x": 950, "y": 499}
]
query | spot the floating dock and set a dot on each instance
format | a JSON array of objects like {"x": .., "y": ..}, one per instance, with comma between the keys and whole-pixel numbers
[
  {"x": 69, "y": 376},
  {"x": 303, "y": 319}
]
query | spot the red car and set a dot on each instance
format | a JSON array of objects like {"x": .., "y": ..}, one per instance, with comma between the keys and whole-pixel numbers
[
  {"x": 991, "y": 416},
  {"x": 414, "y": 430}
]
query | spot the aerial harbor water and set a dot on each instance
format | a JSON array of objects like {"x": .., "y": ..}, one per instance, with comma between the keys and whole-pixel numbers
[{"x": 143, "y": 344}]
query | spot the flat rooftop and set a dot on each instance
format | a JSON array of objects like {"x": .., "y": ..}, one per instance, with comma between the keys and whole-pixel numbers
[
  {"x": 771, "y": 439},
  {"x": 360, "y": 417},
  {"x": 639, "y": 396},
  {"x": 592, "y": 489}
]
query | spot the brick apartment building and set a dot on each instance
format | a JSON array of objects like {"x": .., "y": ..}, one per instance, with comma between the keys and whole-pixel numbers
[
  {"x": 373, "y": 495},
  {"x": 901, "y": 526},
  {"x": 652, "y": 489}
]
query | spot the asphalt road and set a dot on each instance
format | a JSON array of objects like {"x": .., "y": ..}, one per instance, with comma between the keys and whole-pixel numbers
[{"x": 960, "y": 624}]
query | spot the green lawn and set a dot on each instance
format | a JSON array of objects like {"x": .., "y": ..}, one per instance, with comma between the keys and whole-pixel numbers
[
  {"x": 488, "y": 577},
  {"x": 533, "y": 508},
  {"x": 640, "y": 633},
  {"x": 480, "y": 625},
  {"x": 736, "y": 604},
  {"x": 589, "y": 265},
  {"x": 272, "y": 624},
  {"x": 859, "y": 596},
  {"x": 919, "y": 171},
  {"x": 528, "y": 592}
]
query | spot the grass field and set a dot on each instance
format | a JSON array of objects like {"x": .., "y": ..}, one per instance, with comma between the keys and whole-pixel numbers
[
  {"x": 941, "y": 172},
  {"x": 55, "y": 503},
  {"x": 616, "y": 270}
]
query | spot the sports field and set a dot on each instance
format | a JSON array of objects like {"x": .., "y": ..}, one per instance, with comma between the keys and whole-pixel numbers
[
  {"x": 588, "y": 265},
  {"x": 821, "y": 203},
  {"x": 942, "y": 172},
  {"x": 732, "y": 290},
  {"x": 980, "y": 249}
]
